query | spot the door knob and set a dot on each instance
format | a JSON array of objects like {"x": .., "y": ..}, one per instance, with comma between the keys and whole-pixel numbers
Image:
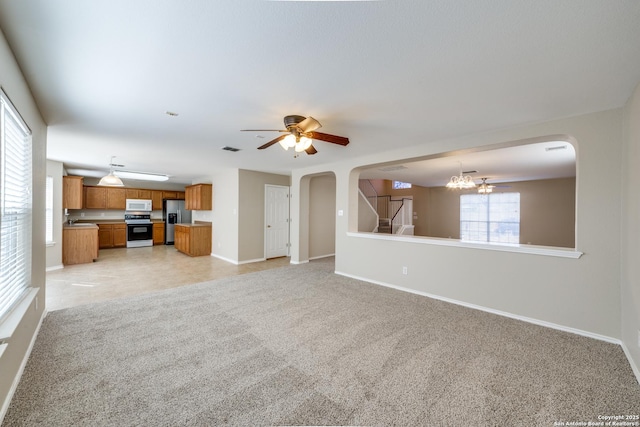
[{"x": 268, "y": 226}]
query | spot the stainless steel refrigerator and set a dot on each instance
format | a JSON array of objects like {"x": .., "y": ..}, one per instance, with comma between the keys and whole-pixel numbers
[{"x": 173, "y": 212}]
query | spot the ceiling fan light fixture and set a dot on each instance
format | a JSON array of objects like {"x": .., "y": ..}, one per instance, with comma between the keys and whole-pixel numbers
[
  {"x": 303, "y": 144},
  {"x": 485, "y": 188}
]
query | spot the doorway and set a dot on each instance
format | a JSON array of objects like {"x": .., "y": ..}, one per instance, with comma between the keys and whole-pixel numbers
[{"x": 276, "y": 221}]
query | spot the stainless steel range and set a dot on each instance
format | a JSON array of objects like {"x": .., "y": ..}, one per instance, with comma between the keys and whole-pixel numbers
[{"x": 139, "y": 229}]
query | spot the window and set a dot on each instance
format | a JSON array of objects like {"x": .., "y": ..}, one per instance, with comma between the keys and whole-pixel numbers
[
  {"x": 490, "y": 218},
  {"x": 398, "y": 185},
  {"x": 49, "y": 211},
  {"x": 15, "y": 206}
]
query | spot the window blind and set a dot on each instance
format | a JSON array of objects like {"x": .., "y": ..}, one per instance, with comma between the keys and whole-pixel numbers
[{"x": 15, "y": 206}]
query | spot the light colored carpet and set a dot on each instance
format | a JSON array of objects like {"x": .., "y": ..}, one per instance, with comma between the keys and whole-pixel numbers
[{"x": 300, "y": 345}]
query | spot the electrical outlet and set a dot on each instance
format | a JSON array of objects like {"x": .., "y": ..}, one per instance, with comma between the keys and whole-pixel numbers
[
  {"x": 81, "y": 213},
  {"x": 405, "y": 270}
]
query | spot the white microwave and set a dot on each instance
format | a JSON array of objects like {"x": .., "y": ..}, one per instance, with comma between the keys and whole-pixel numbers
[{"x": 139, "y": 205}]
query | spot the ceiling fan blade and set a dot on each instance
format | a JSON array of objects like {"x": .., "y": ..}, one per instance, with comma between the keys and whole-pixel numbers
[
  {"x": 334, "y": 139},
  {"x": 263, "y": 130},
  {"x": 273, "y": 141},
  {"x": 309, "y": 125},
  {"x": 311, "y": 150}
]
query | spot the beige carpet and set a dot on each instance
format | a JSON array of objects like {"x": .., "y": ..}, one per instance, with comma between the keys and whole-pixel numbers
[{"x": 301, "y": 346}]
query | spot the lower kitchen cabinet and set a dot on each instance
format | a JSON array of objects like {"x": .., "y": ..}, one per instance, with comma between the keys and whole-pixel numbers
[
  {"x": 193, "y": 239},
  {"x": 112, "y": 235},
  {"x": 79, "y": 244},
  {"x": 158, "y": 233}
]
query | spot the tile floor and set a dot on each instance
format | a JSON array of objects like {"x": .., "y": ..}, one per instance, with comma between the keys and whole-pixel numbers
[{"x": 125, "y": 272}]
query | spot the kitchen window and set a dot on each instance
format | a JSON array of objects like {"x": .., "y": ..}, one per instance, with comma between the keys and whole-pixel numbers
[
  {"x": 15, "y": 206},
  {"x": 491, "y": 217}
]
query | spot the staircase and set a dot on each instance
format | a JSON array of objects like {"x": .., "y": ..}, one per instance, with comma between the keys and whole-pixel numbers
[
  {"x": 394, "y": 216},
  {"x": 384, "y": 225}
]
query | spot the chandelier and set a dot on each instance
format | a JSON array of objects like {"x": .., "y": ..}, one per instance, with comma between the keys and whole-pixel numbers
[{"x": 461, "y": 182}]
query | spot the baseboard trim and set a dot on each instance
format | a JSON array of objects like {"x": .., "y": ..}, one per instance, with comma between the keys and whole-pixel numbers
[
  {"x": 249, "y": 261},
  {"x": 55, "y": 267},
  {"x": 23, "y": 364},
  {"x": 298, "y": 262},
  {"x": 634, "y": 367},
  {"x": 225, "y": 259},
  {"x": 322, "y": 256},
  {"x": 493, "y": 311}
]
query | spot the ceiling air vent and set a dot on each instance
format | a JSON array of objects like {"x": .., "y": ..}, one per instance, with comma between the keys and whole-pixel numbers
[
  {"x": 559, "y": 147},
  {"x": 392, "y": 168},
  {"x": 227, "y": 148}
]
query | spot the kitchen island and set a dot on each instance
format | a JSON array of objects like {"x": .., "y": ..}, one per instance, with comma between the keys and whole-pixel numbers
[{"x": 193, "y": 239}]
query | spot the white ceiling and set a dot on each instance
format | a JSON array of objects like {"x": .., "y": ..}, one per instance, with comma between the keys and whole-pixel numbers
[{"x": 386, "y": 74}]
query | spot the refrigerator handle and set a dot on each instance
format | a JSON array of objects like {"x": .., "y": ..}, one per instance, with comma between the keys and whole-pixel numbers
[{"x": 179, "y": 217}]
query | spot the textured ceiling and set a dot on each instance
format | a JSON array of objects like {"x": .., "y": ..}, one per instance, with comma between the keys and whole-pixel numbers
[{"x": 386, "y": 74}]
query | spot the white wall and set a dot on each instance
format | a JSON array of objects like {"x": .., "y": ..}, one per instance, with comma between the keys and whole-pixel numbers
[
  {"x": 16, "y": 88},
  {"x": 583, "y": 294},
  {"x": 224, "y": 216},
  {"x": 630, "y": 288},
  {"x": 54, "y": 251}
]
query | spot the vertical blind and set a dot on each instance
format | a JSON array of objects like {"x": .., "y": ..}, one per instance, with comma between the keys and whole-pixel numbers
[{"x": 15, "y": 206}]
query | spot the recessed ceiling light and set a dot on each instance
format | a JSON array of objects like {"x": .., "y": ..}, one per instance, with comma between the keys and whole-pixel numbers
[{"x": 171, "y": 113}]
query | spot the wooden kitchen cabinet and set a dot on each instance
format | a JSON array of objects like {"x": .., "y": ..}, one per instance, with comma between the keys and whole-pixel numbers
[
  {"x": 79, "y": 244},
  {"x": 72, "y": 192},
  {"x": 169, "y": 195},
  {"x": 156, "y": 199},
  {"x": 116, "y": 198},
  {"x": 112, "y": 235},
  {"x": 193, "y": 239},
  {"x": 199, "y": 197},
  {"x": 158, "y": 233},
  {"x": 95, "y": 197},
  {"x": 137, "y": 193}
]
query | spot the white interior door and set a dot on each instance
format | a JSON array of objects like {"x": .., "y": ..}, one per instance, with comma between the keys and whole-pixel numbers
[{"x": 276, "y": 222}]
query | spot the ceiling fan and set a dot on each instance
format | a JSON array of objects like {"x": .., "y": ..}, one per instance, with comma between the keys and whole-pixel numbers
[
  {"x": 298, "y": 134},
  {"x": 485, "y": 188}
]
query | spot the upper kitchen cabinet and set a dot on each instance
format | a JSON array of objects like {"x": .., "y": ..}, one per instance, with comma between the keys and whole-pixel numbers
[
  {"x": 95, "y": 197},
  {"x": 104, "y": 198},
  {"x": 72, "y": 192},
  {"x": 156, "y": 199},
  {"x": 134, "y": 193},
  {"x": 116, "y": 198},
  {"x": 199, "y": 197}
]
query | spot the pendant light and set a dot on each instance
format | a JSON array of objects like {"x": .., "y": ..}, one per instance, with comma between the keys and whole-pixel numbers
[
  {"x": 461, "y": 182},
  {"x": 111, "y": 180}
]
